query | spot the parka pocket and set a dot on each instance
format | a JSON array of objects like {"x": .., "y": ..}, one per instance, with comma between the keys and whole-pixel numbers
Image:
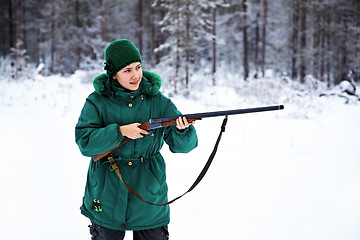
[
  {"x": 157, "y": 168},
  {"x": 151, "y": 181},
  {"x": 104, "y": 195}
]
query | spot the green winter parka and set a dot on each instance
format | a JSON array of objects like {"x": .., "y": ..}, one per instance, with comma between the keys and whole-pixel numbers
[{"x": 107, "y": 202}]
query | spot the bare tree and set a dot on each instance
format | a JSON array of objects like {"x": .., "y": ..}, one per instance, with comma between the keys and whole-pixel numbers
[
  {"x": 11, "y": 25},
  {"x": 294, "y": 39},
  {"x": 140, "y": 18},
  {"x": 257, "y": 37},
  {"x": 213, "y": 28},
  {"x": 303, "y": 39},
  {"x": 245, "y": 41},
  {"x": 264, "y": 43}
]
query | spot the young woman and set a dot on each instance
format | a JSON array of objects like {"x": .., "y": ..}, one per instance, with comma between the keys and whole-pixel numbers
[{"x": 124, "y": 97}]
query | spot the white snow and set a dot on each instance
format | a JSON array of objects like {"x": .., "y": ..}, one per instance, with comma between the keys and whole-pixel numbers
[{"x": 275, "y": 176}]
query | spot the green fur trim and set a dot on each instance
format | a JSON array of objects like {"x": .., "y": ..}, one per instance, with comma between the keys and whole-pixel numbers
[
  {"x": 155, "y": 82},
  {"x": 99, "y": 82}
]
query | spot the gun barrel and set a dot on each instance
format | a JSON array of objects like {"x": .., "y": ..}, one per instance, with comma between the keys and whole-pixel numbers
[{"x": 217, "y": 114}]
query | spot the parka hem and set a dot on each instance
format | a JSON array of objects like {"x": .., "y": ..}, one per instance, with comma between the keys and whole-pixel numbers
[{"x": 123, "y": 226}]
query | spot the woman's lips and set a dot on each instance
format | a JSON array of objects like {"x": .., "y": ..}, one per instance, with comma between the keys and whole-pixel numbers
[{"x": 134, "y": 82}]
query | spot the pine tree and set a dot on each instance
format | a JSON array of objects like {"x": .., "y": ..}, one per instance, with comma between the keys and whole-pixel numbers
[
  {"x": 19, "y": 63},
  {"x": 185, "y": 25}
]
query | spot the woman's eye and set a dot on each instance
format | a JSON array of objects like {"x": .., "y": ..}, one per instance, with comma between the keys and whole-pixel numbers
[{"x": 138, "y": 67}]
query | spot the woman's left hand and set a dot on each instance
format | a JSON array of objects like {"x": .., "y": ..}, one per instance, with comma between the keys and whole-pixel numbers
[{"x": 182, "y": 123}]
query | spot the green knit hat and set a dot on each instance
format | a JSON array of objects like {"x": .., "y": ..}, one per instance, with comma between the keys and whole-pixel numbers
[{"x": 119, "y": 54}]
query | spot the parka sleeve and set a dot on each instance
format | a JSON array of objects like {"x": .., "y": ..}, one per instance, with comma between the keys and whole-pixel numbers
[
  {"x": 179, "y": 141},
  {"x": 91, "y": 135}
]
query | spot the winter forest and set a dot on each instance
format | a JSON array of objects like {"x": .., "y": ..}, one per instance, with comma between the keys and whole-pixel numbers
[
  {"x": 292, "y": 37},
  {"x": 281, "y": 175}
]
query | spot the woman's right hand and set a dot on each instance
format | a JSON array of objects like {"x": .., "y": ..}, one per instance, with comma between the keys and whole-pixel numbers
[{"x": 133, "y": 131}]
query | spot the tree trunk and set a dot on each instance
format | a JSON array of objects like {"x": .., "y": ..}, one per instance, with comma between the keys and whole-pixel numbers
[
  {"x": 257, "y": 37},
  {"x": 322, "y": 57},
  {"x": 328, "y": 62},
  {"x": 316, "y": 42},
  {"x": 153, "y": 37},
  {"x": 11, "y": 26},
  {"x": 24, "y": 27},
  {"x": 19, "y": 42},
  {"x": 102, "y": 13},
  {"x": 294, "y": 40},
  {"x": 77, "y": 33},
  {"x": 303, "y": 37},
  {"x": 245, "y": 41},
  {"x": 214, "y": 45},
  {"x": 265, "y": 10},
  {"x": 52, "y": 25},
  {"x": 177, "y": 50},
  {"x": 344, "y": 66},
  {"x": 140, "y": 34},
  {"x": 159, "y": 38},
  {"x": 187, "y": 48}
]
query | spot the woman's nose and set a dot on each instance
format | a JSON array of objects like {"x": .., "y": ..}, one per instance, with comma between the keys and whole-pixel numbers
[{"x": 136, "y": 74}]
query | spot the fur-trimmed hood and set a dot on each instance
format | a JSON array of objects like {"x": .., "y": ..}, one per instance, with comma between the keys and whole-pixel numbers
[{"x": 150, "y": 84}]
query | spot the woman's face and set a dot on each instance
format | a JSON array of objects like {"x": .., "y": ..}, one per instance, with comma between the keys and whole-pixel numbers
[{"x": 130, "y": 76}]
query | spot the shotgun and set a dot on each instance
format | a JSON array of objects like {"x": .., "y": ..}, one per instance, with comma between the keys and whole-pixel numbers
[{"x": 155, "y": 123}]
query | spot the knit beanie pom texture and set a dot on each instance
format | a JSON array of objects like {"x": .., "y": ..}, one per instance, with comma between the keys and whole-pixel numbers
[{"x": 119, "y": 54}]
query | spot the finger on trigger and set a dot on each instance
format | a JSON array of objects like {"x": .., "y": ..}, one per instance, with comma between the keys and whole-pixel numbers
[{"x": 144, "y": 132}]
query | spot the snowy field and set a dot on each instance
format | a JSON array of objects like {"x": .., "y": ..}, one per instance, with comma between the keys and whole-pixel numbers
[{"x": 275, "y": 177}]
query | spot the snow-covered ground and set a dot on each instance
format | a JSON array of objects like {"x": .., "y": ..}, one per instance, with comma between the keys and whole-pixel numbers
[{"x": 274, "y": 177}]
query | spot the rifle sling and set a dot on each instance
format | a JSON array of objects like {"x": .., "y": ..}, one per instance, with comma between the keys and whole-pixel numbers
[{"x": 197, "y": 181}]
